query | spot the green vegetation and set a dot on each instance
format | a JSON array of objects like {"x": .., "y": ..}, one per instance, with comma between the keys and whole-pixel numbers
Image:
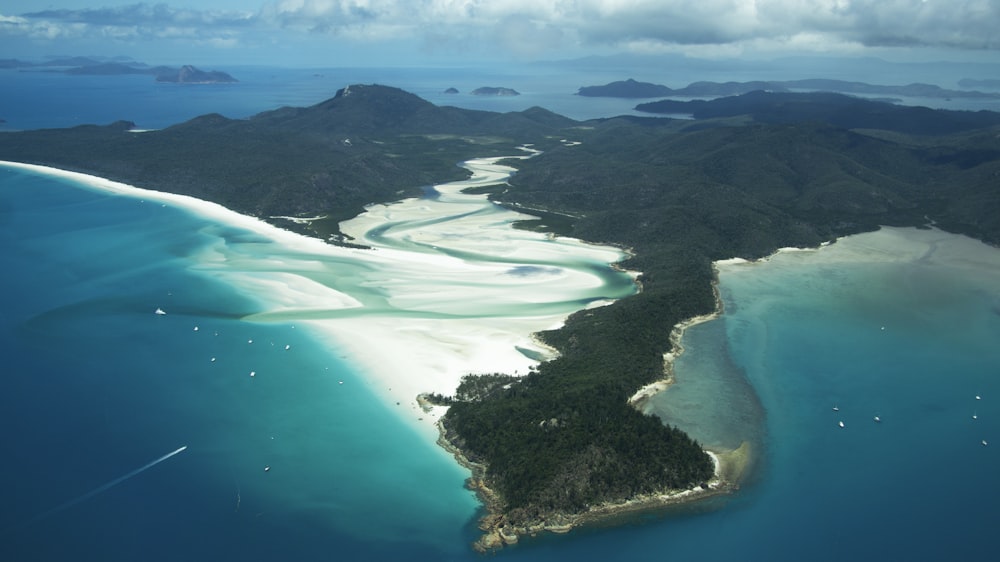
[
  {"x": 839, "y": 110},
  {"x": 680, "y": 194}
]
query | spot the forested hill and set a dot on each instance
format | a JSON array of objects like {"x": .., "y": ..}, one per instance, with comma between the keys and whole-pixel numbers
[
  {"x": 367, "y": 143},
  {"x": 744, "y": 180}
]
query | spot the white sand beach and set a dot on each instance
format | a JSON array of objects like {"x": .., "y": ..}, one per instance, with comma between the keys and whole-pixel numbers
[{"x": 448, "y": 288}]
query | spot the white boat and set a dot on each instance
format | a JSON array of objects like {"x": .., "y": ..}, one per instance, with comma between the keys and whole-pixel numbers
[
  {"x": 159, "y": 311},
  {"x": 836, "y": 409},
  {"x": 877, "y": 419},
  {"x": 841, "y": 424}
]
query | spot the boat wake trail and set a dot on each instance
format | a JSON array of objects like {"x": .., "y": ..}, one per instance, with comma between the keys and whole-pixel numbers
[{"x": 99, "y": 489}]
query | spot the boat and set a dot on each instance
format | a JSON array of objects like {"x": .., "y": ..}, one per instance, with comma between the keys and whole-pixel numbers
[
  {"x": 836, "y": 409},
  {"x": 159, "y": 311},
  {"x": 267, "y": 468},
  {"x": 877, "y": 419},
  {"x": 841, "y": 424}
]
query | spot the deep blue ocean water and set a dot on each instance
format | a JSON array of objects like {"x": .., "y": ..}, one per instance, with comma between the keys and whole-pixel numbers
[{"x": 94, "y": 386}]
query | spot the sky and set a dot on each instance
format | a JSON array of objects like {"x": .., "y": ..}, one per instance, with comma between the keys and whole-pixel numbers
[{"x": 441, "y": 32}]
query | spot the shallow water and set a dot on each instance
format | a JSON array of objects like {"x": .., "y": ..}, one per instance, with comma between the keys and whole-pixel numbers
[{"x": 899, "y": 324}]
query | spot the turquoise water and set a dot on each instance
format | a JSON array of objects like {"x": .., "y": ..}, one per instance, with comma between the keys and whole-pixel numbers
[
  {"x": 913, "y": 342},
  {"x": 96, "y": 385}
]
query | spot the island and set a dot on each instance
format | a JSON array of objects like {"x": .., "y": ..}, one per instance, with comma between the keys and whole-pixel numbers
[
  {"x": 451, "y": 91},
  {"x": 84, "y": 66},
  {"x": 632, "y": 89},
  {"x": 565, "y": 444},
  {"x": 625, "y": 89},
  {"x": 491, "y": 91},
  {"x": 188, "y": 74}
]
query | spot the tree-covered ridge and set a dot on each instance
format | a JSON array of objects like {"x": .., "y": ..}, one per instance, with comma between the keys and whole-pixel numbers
[
  {"x": 839, "y": 110},
  {"x": 743, "y": 190}
]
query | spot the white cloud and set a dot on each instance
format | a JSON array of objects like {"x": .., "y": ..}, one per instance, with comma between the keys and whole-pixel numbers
[
  {"x": 530, "y": 27},
  {"x": 958, "y": 23}
]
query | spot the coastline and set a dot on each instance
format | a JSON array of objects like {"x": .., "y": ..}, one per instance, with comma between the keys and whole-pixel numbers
[
  {"x": 639, "y": 399},
  {"x": 642, "y": 396},
  {"x": 498, "y": 532},
  {"x": 199, "y": 207},
  {"x": 729, "y": 466}
]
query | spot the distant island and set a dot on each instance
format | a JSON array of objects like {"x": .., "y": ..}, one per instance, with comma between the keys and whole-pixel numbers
[
  {"x": 84, "y": 66},
  {"x": 490, "y": 91},
  {"x": 991, "y": 83},
  {"x": 625, "y": 89},
  {"x": 190, "y": 75},
  {"x": 565, "y": 444},
  {"x": 632, "y": 89},
  {"x": 451, "y": 91}
]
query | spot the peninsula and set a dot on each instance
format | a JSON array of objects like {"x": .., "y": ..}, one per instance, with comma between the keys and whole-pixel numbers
[{"x": 563, "y": 445}]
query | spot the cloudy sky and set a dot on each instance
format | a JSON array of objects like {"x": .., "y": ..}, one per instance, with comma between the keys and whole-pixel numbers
[{"x": 406, "y": 32}]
